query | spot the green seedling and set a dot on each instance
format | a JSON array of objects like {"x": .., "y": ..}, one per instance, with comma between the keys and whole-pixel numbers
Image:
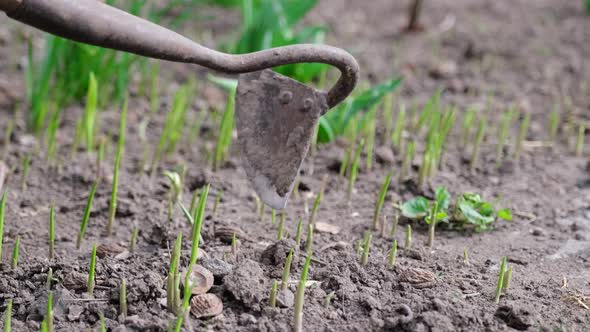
[
  {"x": 100, "y": 155},
  {"x": 2, "y": 214},
  {"x": 477, "y": 144},
  {"x": 287, "y": 270},
  {"x": 432, "y": 224},
  {"x": 299, "y": 296},
  {"x": 524, "y": 128},
  {"x": 354, "y": 170},
  {"x": 399, "y": 126},
  {"x": 553, "y": 125},
  {"x": 471, "y": 208},
  {"x": 580, "y": 140},
  {"x": 318, "y": 199},
  {"x": 226, "y": 128},
  {"x": 297, "y": 233},
  {"x": 500, "y": 280},
  {"x": 507, "y": 279},
  {"x": 8, "y": 316},
  {"x": 52, "y": 232},
  {"x": 26, "y": 165},
  {"x": 15, "y": 250},
  {"x": 328, "y": 299},
  {"x": 273, "y": 217},
  {"x": 103, "y": 327},
  {"x": 407, "y": 162},
  {"x": 173, "y": 280},
  {"x": 133, "y": 241},
  {"x": 309, "y": 240},
  {"x": 175, "y": 193},
  {"x": 366, "y": 248},
  {"x": 194, "y": 201},
  {"x": 345, "y": 161},
  {"x": 296, "y": 188},
  {"x": 465, "y": 256},
  {"x": 234, "y": 245},
  {"x": 383, "y": 226},
  {"x": 118, "y": 156},
  {"x": 381, "y": 199},
  {"x": 217, "y": 201},
  {"x": 91, "y": 271},
  {"x": 281, "y": 229},
  {"x": 408, "y": 244},
  {"x": 49, "y": 314},
  {"x": 503, "y": 131},
  {"x": 272, "y": 302},
  {"x": 391, "y": 258},
  {"x": 395, "y": 223},
  {"x": 89, "y": 118},
  {"x": 123, "y": 299},
  {"x": 86, "y": 216},
  {"x": 49, "y": 282},
  {"x": 50, "y": 136}
]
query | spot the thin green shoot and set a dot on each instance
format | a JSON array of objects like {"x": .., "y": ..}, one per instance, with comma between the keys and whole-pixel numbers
[
  {"x": 318, "y": 199},
  {"x": 26, "y": 165},
  {"x": 580, "y": 140},
  {"x": 524, "y": 128},
  {"x": 15, "y": 251},
  {"x": 86, "y": 215},
  {"x": 507, "y": 279},
  {"x": 465, "y": 256},
  {"x": 309, "y": 240},
  {"x": 366, "y": 248},
  {"x": 173, "y": 280},
  {"x": 52, "y": 232},
  {"x": 281, "y": 230},
  {"x": 118, "y": 156},
  {"x": 391, "y": 258},
  {"x": 100, "y": 155},
  {"x": 299, "y": 297},
  {"x": 217, "y": 201},
  {"x": 8, "y": 316},
  {"x": 103, "y": 327},
  {"x": 432, "y": 224},
  {"x": 272, "y": 302},
  {"x": 2, "y": 214},
  {"x": 91, "y": 272},
  {"x": 194, "y": 201},
  {"x": 133, "y": 241},
  {"x": 51, "y": 135},
  {"x": 345, "y": 161},
  {"x": 123, "y": 299},
  {"x": 287, "y": 270},
  {"x": 503, "y": 131},
  {"x": 298, "y": 233},
  {"x": 49, "y": 313},
  {"x": 226, "y": 128},
  {"x": 175, "y": 193},
  {"x": 500, "y": 279},
  {"x": 89, "y": 118},
  {"x": 399, "y": 126},
  {"x": 234, "y": 245},
  {"x": 273, "y": 217},
  {"x": 354, "y": 169},
  {"x": 477, "y": 144},
  {"x": 408, "y": 244},
  {"x": 49, "y": 281},
  {"x": 553, "y": 125},
  {"x": 381, "y": 198},
  {"x": 395, "y": 223},
  {"x": 407, "y": 162}
]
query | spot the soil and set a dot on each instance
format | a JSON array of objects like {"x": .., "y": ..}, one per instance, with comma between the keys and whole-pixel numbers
[{"x": 526, "y": 53}]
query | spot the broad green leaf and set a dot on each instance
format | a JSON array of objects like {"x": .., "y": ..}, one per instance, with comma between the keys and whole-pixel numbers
[
  {"x": 443, "y": 198},
  {"x": 505, "y": 214},
  {"x": 416, "y": 208}
]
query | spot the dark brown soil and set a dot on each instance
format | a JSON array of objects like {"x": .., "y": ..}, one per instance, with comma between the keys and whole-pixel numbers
[{"x": 526, "y": 53}]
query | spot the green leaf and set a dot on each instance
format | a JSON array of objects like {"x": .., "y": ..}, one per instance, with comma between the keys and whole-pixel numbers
[
  {"x": 325, "y": 131},
  {"x": 505, "y": 214},
  {"x": 443, "y": 198},
  {"x": 415, "y": 208}
]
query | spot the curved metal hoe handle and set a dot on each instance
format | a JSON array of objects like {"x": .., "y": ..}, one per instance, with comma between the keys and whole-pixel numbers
[{"x": 93, "y": 22}]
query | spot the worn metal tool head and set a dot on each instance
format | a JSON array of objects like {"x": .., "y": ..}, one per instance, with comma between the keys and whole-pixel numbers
[{"x": 275, "y": 117}]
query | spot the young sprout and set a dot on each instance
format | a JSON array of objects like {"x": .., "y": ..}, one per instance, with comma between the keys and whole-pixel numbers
[
  {"x": 49, "y": 281},
  {"x": 299, "y": 296},
  {"x": 500, "y": 279},
  {"x": 226, "y": 128},
  {"x": 281, "y": 226},
  {"x": 507, "y": 279},
  {"x": 92, "y": 271},
  {"x": 173, "y": 280},
  {"x": 553, "y": 124},
  {"x": 287, "y": 270},
  {"x": 175, "y": 190},
  {"x": 366, "y": 248},
  {"x": 272, "y": 302},
  {"x": 383, "y": 226},
  {"x": 50, "y": 136},
  {"x": 14, "y": 260},
  {"x": 234, "y": 245},
  {"x": 503, "y": 131},
  {"x": 86, "y": 216},
  {"x": 296, "y": 188},
  {"x": 103, "y": 327},
  {"x": 118, "y": 156},
  {"x": 465, "y": 256},
  {"x": 194, "y": 200},
  {"x": 26, "y": 164},
  {"x": 297, "y": 234},
  {"x": 408, "y": 244},
  {"x": 354, "y": 169},
  {"x": 399, "y": 126},
  {"x": 328, "y": 299},
  {"x": 391, "y": 258},
  {"x": 309, "y": 240},
  {"x": 133, "y": 241},
  {"x": 395, "y": 222},
  {"x": 432, "y": 224},
  {"x": 217, "y": 201},
  {"x": 381, "y": 199},
  {"x": 8, "y": 316},
  {"x": 580, "y": 140},
  {"x": 52, "y": 232},
  {"x": 273, "y": 217},
  {"x": 123, "y": 299},
  {"x": 478, "y": 140},
  {"x": 49, "y": 314},
  {"x": 318, "y": 199},
  {"x": 407, "y": 162},
  {"x": 2, "y": 213},
  {"x": 524, "y": 128},
  {"x": 100, "y": 156},
  {"x": 345, "y": 161},
  {"x": 89, "y": 121}
]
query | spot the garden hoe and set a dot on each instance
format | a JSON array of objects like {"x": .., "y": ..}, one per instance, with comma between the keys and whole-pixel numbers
[{"x": 276, "y": 115}]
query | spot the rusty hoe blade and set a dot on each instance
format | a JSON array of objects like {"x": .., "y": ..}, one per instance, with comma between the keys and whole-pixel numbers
[{"x": 276, "y": 115}]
